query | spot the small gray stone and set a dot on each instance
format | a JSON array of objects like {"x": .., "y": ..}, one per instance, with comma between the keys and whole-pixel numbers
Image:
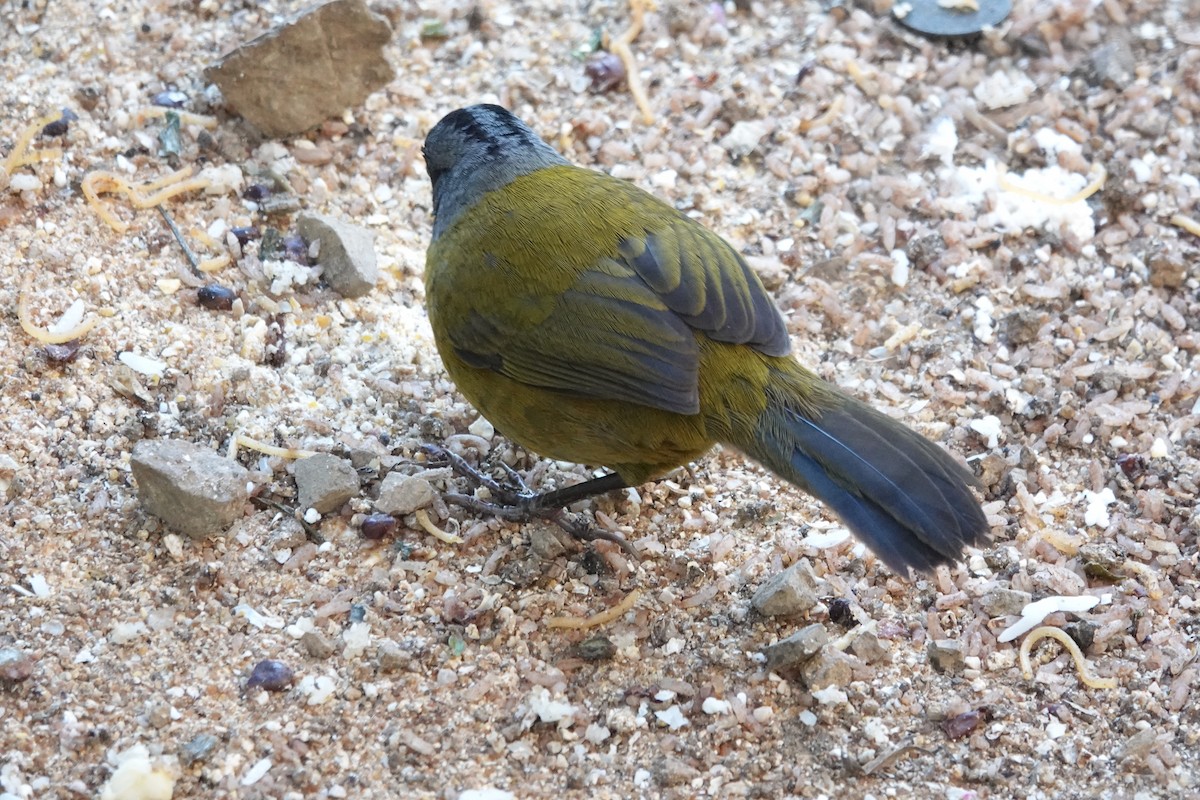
[
  {"x": 346, "y": 254},
  {"x": 797, "y": 648},
  {"x": 361, "y": 458},
  {"x": 197, "y": 749},
  {"x": 392, "y": 657},
  {"x": 545, "y": 543},
  {"x": 312, "y": 67},
  {"x": 1000, "y": 602},
  {"x": 792, "y": 591},
  {"x": 744, "y": 137},
  {"x": 1113, "y": 62},
  {"x": 404, "y": 494},
  {"x": 316, "y": 645},
  {"x": 287, "y": 535},
  {"x": 190, "y": 488},
  {"x": 158, "y": 714},
  {"x": 829, "y": 667},
  {"x": 325, "y": 482},
  {"x": 675, "y": 772},
  {"x": 946, "y": 655},
  {"x": 868, "y": 647}
]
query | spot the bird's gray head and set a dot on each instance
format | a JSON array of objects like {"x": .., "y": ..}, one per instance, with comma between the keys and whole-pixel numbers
[{"x": 475, "y": 150}]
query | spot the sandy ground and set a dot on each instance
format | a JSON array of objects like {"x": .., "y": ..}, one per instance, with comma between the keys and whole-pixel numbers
[{"x": 935, "y": 236}]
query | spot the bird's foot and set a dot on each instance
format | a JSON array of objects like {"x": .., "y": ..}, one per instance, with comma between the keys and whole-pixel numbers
[{"x": 516, "y": 502}]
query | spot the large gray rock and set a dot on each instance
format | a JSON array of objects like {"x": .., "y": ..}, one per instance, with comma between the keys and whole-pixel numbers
[
  {"x": 946, "y": 655},
  {"x": 190, "y": 488},
  {"x": 324, "y": 482},
  {"x": 346, "y": 254},
  {"x": 797, "y": 648},
  {"x": 314, "y": 67},
  {"x": 792, "y": 591},
  {"x": 404, "y": 494}
]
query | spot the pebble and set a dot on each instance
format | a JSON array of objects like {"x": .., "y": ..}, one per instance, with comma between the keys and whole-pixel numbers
[
  {"x": 1112, "y": 63},
  {"x": 829, "y": 667},
  {"x": 675, "y": 772},
  {"x": 868, "y": 647},
  {"x": 346, "y": 255},
  {"x": 198, "y": 748},
  {"x": 10, "y": 486},
  {"x": 392, "y": 657},
  {"x": 316, "y": 645},
  {"x": 545, "y": 543},
  {"x": 946, "y": 655},
  {"x": 404, "y": 494},
  {"x": 277, "y": 84},
  {"x": 190, "y": 488},
  {"x": 797, "y": 648},
  {"x": 325, "y": 482},
  {"x": 744, "y": 137},
  {"x": 1083, "y": 632},
  {"x": 1001, "y": 602},
  {"x": 15, "y": 665},
  {"x": 792, "y": 591}
]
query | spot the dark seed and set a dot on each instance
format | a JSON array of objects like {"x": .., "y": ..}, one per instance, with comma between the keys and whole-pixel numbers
[
  {"x": 274, "y": 676},
  {"x": 379, "y": 526},
  {"x": 63, "y": 352},
  {"x": 256, "y": 192},
  {"x": 605, "y": 70},
  {"x": 215, "y": 297},
  {"x": 60, "y": 126},
  {"x": 295, "y": 249},
  {"x": 244, "y": 235},
  {"x": 1132, "y": 464},
  {"x": 963, "y": 724},
  {"x": 839, "y": 612}
]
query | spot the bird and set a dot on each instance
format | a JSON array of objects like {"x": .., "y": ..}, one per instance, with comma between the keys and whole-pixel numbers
[{"x": 591, "y": 322}]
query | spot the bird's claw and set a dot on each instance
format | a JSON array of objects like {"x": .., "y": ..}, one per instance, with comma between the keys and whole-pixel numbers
[
  {"x": 505, "y": 495},
  {"x": 514, "y": 504}
]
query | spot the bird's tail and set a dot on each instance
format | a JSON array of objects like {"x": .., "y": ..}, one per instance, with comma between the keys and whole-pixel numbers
[{"x": 900, "y": 493}]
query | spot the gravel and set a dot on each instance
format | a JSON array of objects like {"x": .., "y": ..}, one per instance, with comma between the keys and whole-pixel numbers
[{"x": 896, "y": 201}]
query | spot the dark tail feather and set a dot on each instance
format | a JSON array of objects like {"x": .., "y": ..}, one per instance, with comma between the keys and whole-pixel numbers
[{"x": 900, "y": 493}]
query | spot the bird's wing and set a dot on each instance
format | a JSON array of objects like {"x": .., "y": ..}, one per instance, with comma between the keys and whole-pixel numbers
[
  {"x": 606, "y": 336},
  {"x": 700, "y": 277},
  {"x": 623, "y": 327}
]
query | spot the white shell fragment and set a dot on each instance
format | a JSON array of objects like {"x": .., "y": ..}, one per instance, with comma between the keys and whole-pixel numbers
[
  {"x": 70, "y": 318},
  {"x": 1033, "y": 614},
  {"x": 142, "y": 364},
  {"x": 1096, "y": 514}
]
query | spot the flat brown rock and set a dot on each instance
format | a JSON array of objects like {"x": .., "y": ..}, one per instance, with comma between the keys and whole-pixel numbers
[{"x": 324, "y": 61}]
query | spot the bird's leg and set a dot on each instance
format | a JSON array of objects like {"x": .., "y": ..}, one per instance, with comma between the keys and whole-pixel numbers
[{"x": 522, "y": 503}]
